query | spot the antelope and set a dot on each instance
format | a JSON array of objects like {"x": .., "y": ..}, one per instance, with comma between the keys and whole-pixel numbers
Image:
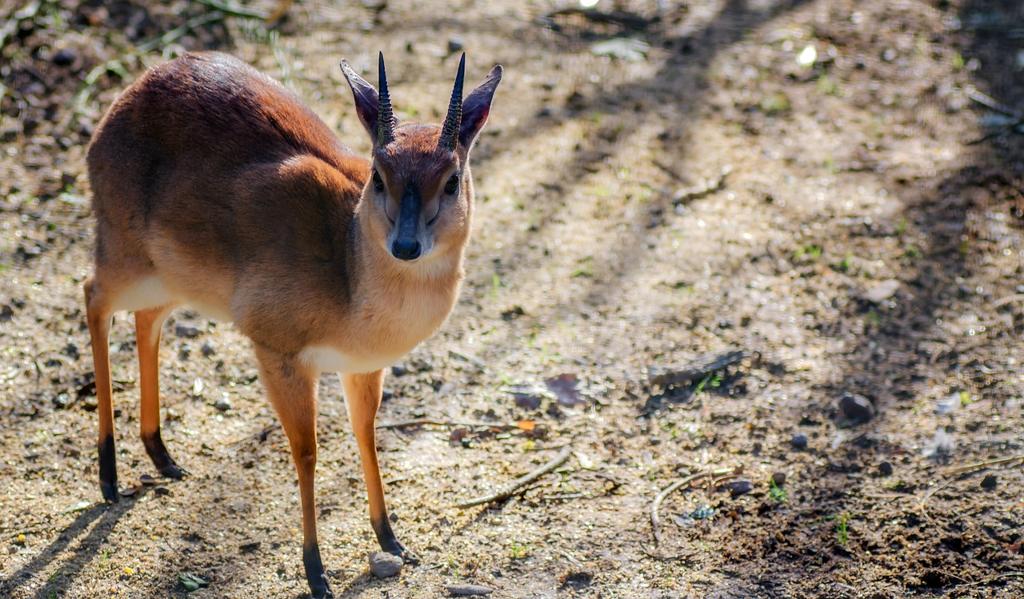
[{"x": 214, "y": 186}]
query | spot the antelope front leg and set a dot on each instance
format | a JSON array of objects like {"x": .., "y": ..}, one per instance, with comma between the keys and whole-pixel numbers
[
  {"x": 292, "y": 389},
  {"x": 363, "y": 392}
]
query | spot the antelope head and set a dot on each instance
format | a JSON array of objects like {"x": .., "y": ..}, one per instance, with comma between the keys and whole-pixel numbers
[{"x": 418, "y": 200}]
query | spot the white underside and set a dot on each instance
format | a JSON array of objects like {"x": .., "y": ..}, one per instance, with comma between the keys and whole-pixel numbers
[
  {"x": 325, "y": 358},
  {"x": 152, "y": 293},
  {"x": 145, "y": 293}
]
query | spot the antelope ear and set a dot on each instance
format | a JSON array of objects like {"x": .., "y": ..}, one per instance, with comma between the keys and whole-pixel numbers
[
  {"x": 476, "y": 107},
  {"x": 366, "y": 99}
]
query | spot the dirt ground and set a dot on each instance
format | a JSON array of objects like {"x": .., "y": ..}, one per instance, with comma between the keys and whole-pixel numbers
[{"x": 866, "y": 243}]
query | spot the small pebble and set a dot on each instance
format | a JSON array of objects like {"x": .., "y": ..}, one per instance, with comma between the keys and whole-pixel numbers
[
  {"x": 147, "y": 480},
  {"x": 527, "y": 397},
  {"x": 455, "y": 44},
  {"x": 989, "y": 482},
  {"x": 779, "y": 478},
  {"x": 468, "y": 590},
  {"x": 64, "y": 57},
  {"x": 882, "y": 291},
  {"x": 885, "y": 469},
  {"x": 948, "y": 404},
  {"x": 186, "y": 331},
  {"x": 223, "y": 404},
  {"x": 207, "y": 349},
  {"x": 739, "y": 487},
  {"x": 799, "y": 441},
  {"x": 856, "y": 409},
  {"x": 61, "y": 401},
  {"x": 385, "y": 565},
  {"x": 940, "y": 447}
]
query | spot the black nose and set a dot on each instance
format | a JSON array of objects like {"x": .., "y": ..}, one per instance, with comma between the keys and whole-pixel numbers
[{"x": 405, "y": 249}]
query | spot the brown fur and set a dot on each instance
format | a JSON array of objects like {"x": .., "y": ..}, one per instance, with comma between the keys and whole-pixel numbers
[{"x": 214, "y": 186}]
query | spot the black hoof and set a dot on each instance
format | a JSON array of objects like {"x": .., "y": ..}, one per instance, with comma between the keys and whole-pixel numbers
[
  {"x": 108, "y": 470},
  {"x": 161, "y": 459},
  {"x": 407, "y": 556},
  {"x": 318, "y": 587},
  {"x": 110, "y": 494},
  {"x": 389, "y": 543},
  {"x": 173, "y": 470},
  {"x": 396, "y": 548}
]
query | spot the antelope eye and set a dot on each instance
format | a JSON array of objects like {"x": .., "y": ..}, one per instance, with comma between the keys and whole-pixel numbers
[
  {"x": 452, "y": 185},
  {"x": 378, "y": 183}
]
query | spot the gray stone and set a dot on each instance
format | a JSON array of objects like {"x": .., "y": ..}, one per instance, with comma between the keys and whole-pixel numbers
[
  {"x": 882, "y": 291},
  {"x": 223, "y": 404},
  {"x": 739, "y": 487},
  {"x": 186, "y": 331},
  {"x": 385, "y": 565},
  {"x": 856, "y": 409}
]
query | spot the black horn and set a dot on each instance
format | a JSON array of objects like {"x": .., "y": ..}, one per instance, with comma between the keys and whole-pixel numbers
[
  {"x": 452, "y": 122},
  {"x": 385, "y": 116}
]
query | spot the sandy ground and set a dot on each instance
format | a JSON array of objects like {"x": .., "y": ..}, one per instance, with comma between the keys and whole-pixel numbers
[{"x": 866, "y": 241}]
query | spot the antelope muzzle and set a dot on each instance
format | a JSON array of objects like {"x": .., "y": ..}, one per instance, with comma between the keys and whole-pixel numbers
[{"x": 406, "y": 244}]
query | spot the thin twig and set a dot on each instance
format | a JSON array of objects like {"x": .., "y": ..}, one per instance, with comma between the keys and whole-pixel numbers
[
  {"x": 1005, "y": 301},
  {"x": 980, "y": 465},
  {"x": 617, "y": 17},
  {"x": 233, "y": 11},
  {"x": 672, "y": 488},
  {"x": 703, "y": 366},
  {"x": 991, "y": 103},
  {"x": 522, "y": 481},
  {"x": 709, "y": 187},
  {"x": 567, "y": 496},
  {"x": 432, "y": 422}
]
